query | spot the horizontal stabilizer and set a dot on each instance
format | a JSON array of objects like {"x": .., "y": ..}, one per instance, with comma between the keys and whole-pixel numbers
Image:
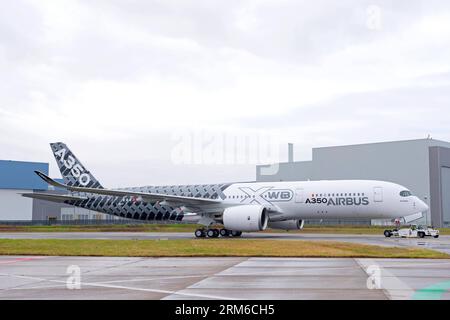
[{"x": 52, "y": 197}]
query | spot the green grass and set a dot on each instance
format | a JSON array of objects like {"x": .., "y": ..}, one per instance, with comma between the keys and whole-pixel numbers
[
  {"x": 344, "y": 229},
  {"x": 208, "y": 248}
]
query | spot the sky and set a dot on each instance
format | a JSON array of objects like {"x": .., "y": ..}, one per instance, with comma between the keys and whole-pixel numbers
[{"x": 176, "y": 92}]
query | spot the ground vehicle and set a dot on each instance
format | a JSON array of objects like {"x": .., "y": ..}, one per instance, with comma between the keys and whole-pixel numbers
[{"x": 413, "y": 231}]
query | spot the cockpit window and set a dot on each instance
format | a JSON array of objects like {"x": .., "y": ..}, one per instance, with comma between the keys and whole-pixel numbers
[{"x": 405, "y": 193}]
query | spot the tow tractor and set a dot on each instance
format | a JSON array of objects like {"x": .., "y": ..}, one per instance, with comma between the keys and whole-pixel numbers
[{"x": 413, "y": 231}]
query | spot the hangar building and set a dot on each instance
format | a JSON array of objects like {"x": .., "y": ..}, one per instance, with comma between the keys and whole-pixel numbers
[
  {"x": 422, "y": 165},
  {"x": 17, "y": 177}
]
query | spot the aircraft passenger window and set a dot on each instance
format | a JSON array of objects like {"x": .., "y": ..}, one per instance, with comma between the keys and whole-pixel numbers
[{"x": 405, "y": 193}]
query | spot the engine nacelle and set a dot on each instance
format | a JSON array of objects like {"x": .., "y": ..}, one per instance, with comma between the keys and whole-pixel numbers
[
  {"x": 245, "y": 218},
  {"x": 287, "y": 225}
]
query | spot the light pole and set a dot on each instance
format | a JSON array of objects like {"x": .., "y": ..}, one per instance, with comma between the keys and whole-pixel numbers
[{"x": 428, "y": 211}]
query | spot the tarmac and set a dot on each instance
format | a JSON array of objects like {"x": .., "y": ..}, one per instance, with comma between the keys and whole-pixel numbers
[{"x": 36, "y": 277}]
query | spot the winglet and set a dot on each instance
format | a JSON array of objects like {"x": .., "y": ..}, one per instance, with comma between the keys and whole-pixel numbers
[{"x": 49, "y": 180}]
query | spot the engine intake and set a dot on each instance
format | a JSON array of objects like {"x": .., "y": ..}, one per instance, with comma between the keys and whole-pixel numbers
[
  {"x": 245, "y": 218},
  {"x": 287, "y": 225}
]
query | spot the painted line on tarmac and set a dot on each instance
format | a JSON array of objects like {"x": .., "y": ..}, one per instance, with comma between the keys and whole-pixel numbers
[
  {"x": 94, "y": 284},
  {"x": 192, "y": 286},
  {"x": 151, "y": 279},
  {"x": 381, "y": 278},
  {"x": 433, "y": 292},
  {"x": 21, "y": 260}
]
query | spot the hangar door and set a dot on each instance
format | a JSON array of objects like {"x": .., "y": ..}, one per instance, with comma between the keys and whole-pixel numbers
[{"x": 445, "y": 196}]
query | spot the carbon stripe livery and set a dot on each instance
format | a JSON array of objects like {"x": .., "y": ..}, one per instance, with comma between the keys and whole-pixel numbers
[{"x": 136, "y": 209}]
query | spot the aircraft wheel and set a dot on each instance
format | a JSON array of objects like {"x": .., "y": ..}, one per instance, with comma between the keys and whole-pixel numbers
[
  {"x": 224, "y": 232},
  {"x": 200, "y": 233},
  {"x": 236, "y": 233},
  {"x": 212, "y": 233}
]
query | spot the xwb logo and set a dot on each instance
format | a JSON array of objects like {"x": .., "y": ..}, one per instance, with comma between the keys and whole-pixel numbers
[{"x": 265, "y": 195}]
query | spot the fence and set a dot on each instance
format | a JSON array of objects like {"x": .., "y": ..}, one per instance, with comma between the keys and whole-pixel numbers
[
  {"x": 124, "y": 221},
  {"x": 86, "y": 222}
]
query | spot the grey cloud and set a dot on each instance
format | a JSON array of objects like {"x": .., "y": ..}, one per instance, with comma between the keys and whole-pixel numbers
[
  {"x": 403, "y": 113},
  {"x": 39, "y": 72}
]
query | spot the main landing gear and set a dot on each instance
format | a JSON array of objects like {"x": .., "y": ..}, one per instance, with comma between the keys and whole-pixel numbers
[{"x": 214, "y": 233}]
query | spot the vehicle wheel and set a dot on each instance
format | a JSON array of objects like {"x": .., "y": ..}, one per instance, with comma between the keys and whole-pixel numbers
[
  {"x": 236, "y": 233},
  {"x": 224, "y": 232},
  {"x": 421, "y": 234},
  {"x": 200, "y": 233},
  {"x": 387, "y": 233},
  {"x": 437, "y": 236}
]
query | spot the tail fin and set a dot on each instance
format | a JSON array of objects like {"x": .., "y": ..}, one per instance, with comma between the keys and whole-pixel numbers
[{"x": 72, "y": 171}]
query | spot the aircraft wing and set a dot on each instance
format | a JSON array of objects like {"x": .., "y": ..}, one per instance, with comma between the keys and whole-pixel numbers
[
  {"x": 52, "y": 197},
  {"x": 147, "y": 197}
]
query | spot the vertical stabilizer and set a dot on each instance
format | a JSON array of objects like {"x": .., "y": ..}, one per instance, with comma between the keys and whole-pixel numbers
[{"x": 72, "y": 171}]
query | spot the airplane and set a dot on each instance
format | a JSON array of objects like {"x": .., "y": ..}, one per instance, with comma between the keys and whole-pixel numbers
[{"x": 238, "y": 207}]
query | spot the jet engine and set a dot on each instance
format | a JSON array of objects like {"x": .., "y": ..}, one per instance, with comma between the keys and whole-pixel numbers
[
  {"x": 245, "y": 218},
  {"x": 287, "y": 224}
]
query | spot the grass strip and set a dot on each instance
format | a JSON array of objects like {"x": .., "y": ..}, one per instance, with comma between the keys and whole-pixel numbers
[{"x": 208, "y": 248}]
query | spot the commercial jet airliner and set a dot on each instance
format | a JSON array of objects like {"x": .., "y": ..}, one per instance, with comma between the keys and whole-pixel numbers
[{"x": 238, "y": 207}]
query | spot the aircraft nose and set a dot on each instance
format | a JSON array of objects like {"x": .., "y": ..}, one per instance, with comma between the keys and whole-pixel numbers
[{"x": 419, "y": 205}]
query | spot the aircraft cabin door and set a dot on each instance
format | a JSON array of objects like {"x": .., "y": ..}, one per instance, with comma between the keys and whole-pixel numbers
[
  {"x": 378, "y": 194},
  {"x": 299, "y": 195}
]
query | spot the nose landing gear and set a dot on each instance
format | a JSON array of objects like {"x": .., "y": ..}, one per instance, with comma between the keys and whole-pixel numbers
[{"x": 214, "y": 233}]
